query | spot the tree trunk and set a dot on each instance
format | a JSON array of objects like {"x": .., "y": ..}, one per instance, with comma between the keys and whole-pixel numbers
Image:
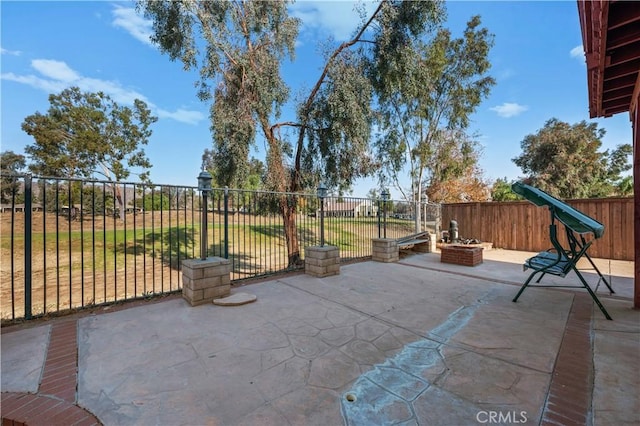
[
  {"x": 418, "y": 205},
  {"x": 289, "y": 210},
  {"x": 284, "y": 182}
]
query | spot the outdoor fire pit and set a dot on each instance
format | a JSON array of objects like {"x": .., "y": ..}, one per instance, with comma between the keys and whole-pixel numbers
[{"x": 461, "y": 254}]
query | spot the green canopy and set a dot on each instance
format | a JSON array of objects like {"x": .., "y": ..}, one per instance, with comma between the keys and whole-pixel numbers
[{"x": 570, "y": 217}]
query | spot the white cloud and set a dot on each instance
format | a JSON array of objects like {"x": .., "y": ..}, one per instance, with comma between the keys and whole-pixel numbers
[
  {"x": 55, "y": 70},
  {"x": 128, "y": 19},
  {"x": 56, "y": 76},
  {"x": 36, "y": 82},
  {"x": 339, "y": 18},
  {"x": 182, "y": 115},
  {"x": 577, "y": 52},
  {"x": 509, "y": 109},
  {"x": 10, "y": 52}
]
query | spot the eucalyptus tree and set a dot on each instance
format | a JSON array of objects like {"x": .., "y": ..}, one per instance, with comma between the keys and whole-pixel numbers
[
  {"x": 427, "y": 97},
  {"x": 84, "y": 134},
  {"x": 238, "y": 48}
]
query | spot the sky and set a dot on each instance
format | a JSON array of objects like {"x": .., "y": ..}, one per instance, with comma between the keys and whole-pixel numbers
[{"x": 537, "y": 61}]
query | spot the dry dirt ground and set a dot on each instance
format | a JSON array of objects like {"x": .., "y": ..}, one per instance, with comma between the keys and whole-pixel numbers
[
  {"x": 63, "y": 272},
  {"x": 71, "y": 268}
]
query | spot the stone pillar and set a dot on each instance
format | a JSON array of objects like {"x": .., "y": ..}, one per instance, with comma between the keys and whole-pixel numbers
[
  {"x": 384, "y": 250},
  {"x": 428, "y": 247},
  {"x": 205, "y": 280},
  {"x": 321, "y": 261}
]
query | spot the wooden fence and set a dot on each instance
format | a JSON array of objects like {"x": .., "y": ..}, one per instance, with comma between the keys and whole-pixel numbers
[{"x": 520, "y": 225}]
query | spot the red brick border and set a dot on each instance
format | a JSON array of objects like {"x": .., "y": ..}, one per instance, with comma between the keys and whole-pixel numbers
[
  {"x": 59, "y": 378},
  {"x": 54, "y": 404},
  {"x": 461, "y": 255},
  {"x": 569, "y": 398},
  {"x": 33, "y": 410}
]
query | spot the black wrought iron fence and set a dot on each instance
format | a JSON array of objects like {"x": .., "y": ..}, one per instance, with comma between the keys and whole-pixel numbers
[{"x": 70, "y": 243}]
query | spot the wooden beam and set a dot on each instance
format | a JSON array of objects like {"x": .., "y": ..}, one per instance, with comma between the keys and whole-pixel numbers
[
  {"x": 635, "y": 123},
  {"x": 615, "y": 108},
  {"x": 623, "y": 92},
  {"x": 623, "y": 36},
  {"x": 618, "y": 83},
  {"x": 623, "y": 13},
  {"x": 624, "y": 54},
  {"x": 601, "y": 19},
  {"x": 635, "y": 99},
  {"x": 617, "y": 71}
]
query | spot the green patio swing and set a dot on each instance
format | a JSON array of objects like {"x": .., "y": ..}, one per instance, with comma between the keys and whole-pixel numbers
[{"x": 561, "y": 260}]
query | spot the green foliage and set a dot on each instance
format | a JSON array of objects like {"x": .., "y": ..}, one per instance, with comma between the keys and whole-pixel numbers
[
  {"x": 339, "y": 124},
  {"x": 11, "y": 164},
  {"x": 427, "y": 95},
  {"x": 501, "y": 191},
  {"x": 252, "y": 177},
  {"x": 564, "y": 160},
  {"x": 82, "y": 132},
  {"x": 153, "y": 201},
  {"x": 243, "y": 46},
  {"x": 58, "y": 194},
  {"x": 624, "y": 188}
]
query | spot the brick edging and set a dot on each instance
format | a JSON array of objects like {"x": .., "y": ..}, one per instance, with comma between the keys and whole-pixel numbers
[
  {"x": 59, "y": 377},
  {"x": 34, "y": 410},
  {"x": 571, "y": 388},
  {"x": 55, "y": 402}
]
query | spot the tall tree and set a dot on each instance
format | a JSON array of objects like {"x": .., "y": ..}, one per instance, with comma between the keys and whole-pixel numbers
[
  {"x": 244, "y": 44},
  {"x": 83, "y": 134},
  {"x": 427, "y": 98},
  {"x": 86, "y": 133},
  {"x": 10, "y": 164},
  {"x": 564, "y": 160}
]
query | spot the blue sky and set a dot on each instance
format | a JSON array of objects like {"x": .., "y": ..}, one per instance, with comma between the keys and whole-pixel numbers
[{"x": 537, "y": 61}]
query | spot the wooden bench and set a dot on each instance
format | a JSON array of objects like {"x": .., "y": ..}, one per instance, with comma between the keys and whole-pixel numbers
[
  {"x": 420, "y": 242},
  {"x": 388, "y": 249}
]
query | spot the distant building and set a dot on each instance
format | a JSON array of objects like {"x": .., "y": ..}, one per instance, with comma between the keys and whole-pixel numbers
[
  {"x": 349, "y": 209},
  {"x": 19, "y": 208}
]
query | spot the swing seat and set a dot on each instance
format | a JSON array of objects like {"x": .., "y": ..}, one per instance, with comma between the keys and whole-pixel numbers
[
  {"x": 551, "y": 263},
  {"x": 561, "y": 260}
]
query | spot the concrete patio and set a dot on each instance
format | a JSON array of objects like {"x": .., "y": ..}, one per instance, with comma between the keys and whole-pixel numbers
[{"x": 412, "y": 342}]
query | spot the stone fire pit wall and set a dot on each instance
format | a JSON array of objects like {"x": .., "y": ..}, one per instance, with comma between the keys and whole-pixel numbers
[{"x": 461, "y": 255}]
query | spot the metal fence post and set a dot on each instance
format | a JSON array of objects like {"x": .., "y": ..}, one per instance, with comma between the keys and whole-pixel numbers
[
  {"x": 385, "y": 219},
  {"x": 205, "y": 235},
  {"x": 322, "y": 222},
  {"x": 226, "y": 222},
  {"x": 28, "y": 207},
  {"x": 379, "y": 214},
  {"x": 385, "y": 196}
]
